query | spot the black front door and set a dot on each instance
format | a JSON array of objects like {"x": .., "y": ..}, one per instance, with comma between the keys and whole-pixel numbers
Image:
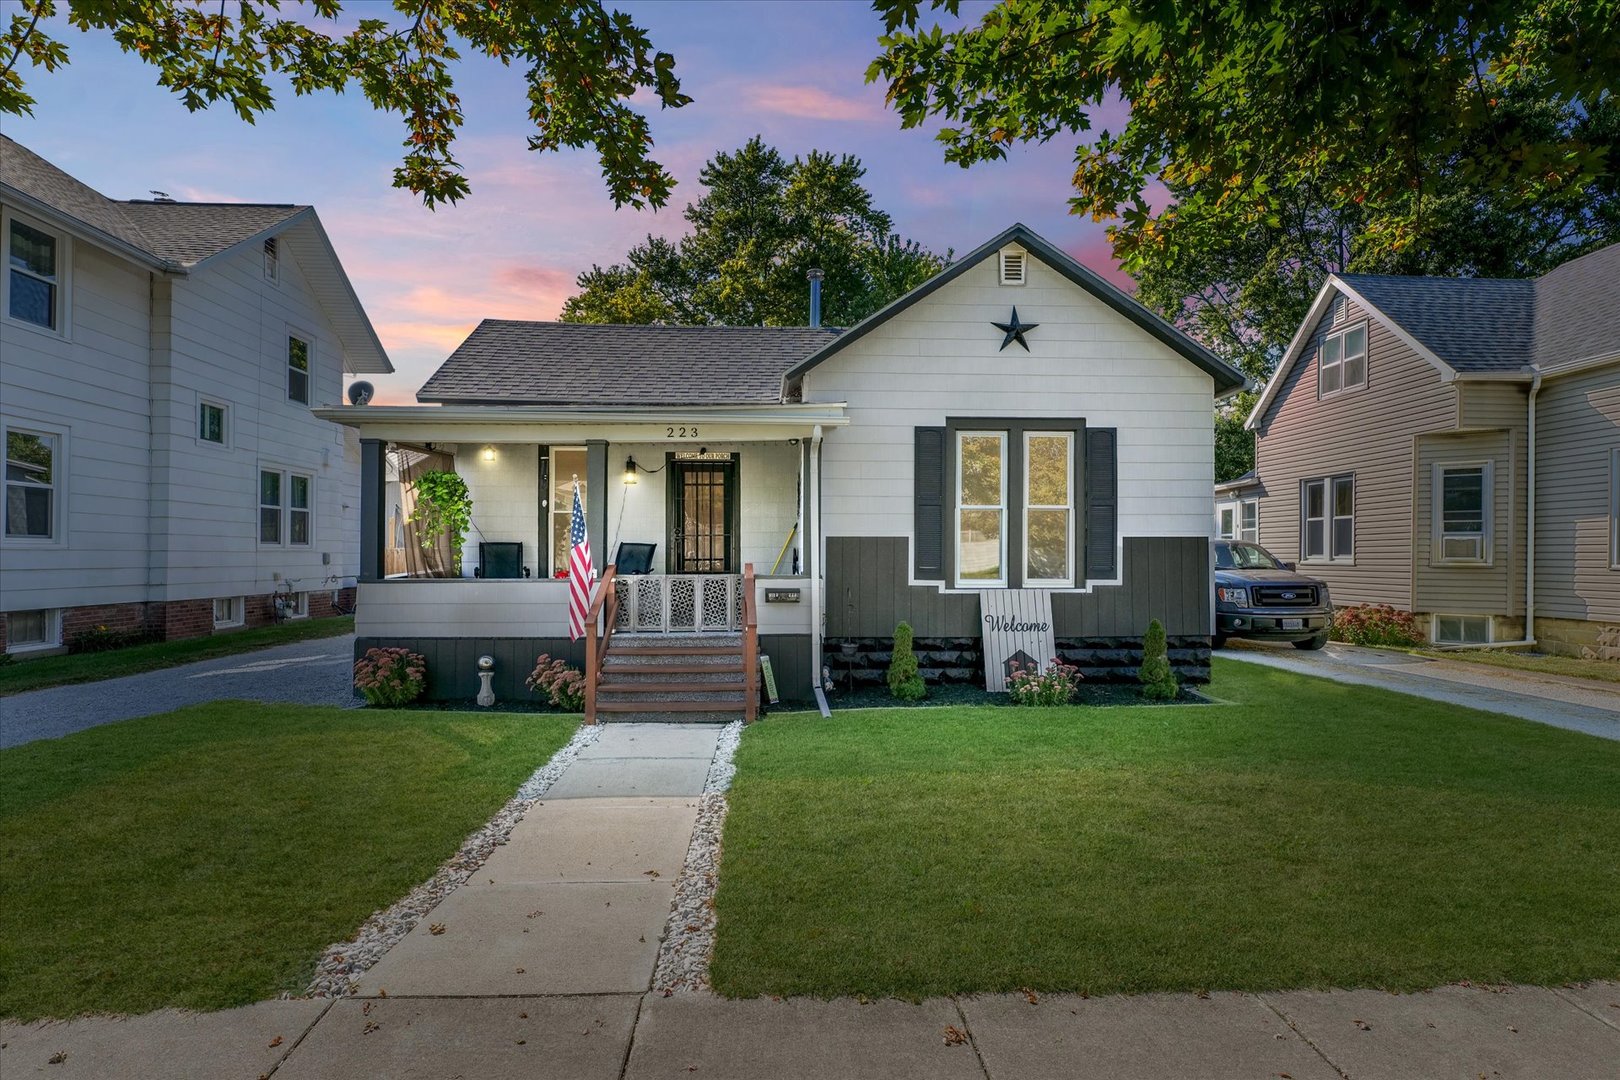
[{"x": 703, "y": 517}]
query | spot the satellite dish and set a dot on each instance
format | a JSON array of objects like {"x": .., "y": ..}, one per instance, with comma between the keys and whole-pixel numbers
[{"x": 360, "y": 393}]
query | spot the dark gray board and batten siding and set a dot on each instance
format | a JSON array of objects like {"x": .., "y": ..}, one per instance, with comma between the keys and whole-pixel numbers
[{"x": 1165, "y": 578}]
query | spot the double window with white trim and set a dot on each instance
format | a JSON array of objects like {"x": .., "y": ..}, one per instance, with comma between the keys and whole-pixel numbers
[
  {"x": 1043, "y": 502},
  {"x": 1343, "y": 361},
  {"x": 36, "y": 275},
  {"x": 286, "y": 507},
  {"x": 1327, "y": 527},
  {"x": 1463, "y": 514},
  {"x": 33, "y": 484}
]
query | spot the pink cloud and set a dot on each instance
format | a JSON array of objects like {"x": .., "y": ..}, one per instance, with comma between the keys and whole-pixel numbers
[{"x": 813, "y": 103}]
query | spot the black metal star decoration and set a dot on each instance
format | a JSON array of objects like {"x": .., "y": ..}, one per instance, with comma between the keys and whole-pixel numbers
[{"x": 1014, "y": 331}]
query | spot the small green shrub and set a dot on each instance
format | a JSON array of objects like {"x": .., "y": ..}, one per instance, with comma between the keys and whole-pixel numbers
[
  {"x": 1375, "y": 624},
  {"x": 1057, "y": 685},
  {"x": 390, "y": 677},
  {"x": 101, "y": 639},
  {"x": 1157, "y": 678},
  {"x": 905, "y": 681},
  {"x": 563, "y": 686}
]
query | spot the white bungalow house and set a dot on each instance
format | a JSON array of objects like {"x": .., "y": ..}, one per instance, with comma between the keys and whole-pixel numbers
[
  {"x": 159, "y": 363},
  {"x": 1016, "y": 426}
]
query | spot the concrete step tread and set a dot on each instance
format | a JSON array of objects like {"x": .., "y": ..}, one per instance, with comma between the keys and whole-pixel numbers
[{"x": 722, "y": 705}]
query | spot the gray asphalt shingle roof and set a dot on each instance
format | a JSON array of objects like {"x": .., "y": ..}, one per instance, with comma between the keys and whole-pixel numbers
[
  {"x": 1473, "y": 324},
  {"x": 552, "y": 363},
  {"x": 1574, "y": 317},
  {"x": 180, "y": 233}
]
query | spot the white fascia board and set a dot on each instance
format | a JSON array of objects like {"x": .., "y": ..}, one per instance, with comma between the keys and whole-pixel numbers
[
  {"x": 441, "y": 421},
  {"x": 1579, "y": 366}
]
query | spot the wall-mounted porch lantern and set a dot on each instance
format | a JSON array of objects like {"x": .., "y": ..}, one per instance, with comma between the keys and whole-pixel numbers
[
  {"x": 489, "y": 453},
  {"x": 630, "y": 478}
]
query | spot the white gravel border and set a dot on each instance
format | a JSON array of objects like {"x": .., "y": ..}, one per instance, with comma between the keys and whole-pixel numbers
[
  {"x": 344, "y": 962},
  {"x": 688, "y": 942}
]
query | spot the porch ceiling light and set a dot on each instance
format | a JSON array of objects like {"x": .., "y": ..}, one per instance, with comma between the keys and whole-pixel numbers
[
  {"x": 489, "y": 453},
  {"x": 630, "y": 479}
]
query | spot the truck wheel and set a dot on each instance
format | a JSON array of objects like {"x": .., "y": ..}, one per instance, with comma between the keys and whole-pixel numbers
[{"x": 1312, "y": 643}]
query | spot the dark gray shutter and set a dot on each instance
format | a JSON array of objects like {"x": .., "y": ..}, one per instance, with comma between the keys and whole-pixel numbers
[
  {"x": 928, "y": 503},
  {"x": 1102, "y": 503}
]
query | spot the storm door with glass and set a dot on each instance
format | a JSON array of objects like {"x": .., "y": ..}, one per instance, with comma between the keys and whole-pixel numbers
[{"x": 703, "y": 517}]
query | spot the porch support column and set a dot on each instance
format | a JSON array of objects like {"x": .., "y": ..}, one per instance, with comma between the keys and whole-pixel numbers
[
  {"x": 596, "y": 484},
  {"x": 373, "y": 482}
]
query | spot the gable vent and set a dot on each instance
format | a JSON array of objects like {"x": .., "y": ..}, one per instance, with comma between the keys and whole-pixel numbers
[
  {"x": 1340, "y": 307},
  {"x": 1014, "y": 265},
  {"x": 272, "y": 260}
]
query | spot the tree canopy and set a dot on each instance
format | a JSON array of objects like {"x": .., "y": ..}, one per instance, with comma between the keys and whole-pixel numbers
[
  {"x": 762, "y": 224},
  {"x": 583, "y": 64}
]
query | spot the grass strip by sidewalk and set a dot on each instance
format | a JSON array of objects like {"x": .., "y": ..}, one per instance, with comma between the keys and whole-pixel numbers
[
  {"x": 1533, "y": 663},
  {"x": 203, "y": 858},
  {"x": 1314, "y": 834},
  {"x": 46, "y": 671}
]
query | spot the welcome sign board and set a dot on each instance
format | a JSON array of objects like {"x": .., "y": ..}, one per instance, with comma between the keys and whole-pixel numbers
[{"x": 1017, "y": 630}]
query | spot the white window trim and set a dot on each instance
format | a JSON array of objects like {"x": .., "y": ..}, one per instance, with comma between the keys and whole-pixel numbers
[
  {"x": 1437, "y": 514},
  {"x": 238, "y": 613},
  {"x": 285, "y": 539},
  {"x": 309, "y": 510},
  {"x": 1328, "y": 519},
  {"x": 53, "y": 633},
  {"x": 286, "y": 366},
  {"x": 560, "y": 507},
  {"x": 1023, "y": 266},
  {"x": 1221, "y": 510},
  {"x": 1614, "y": 509},
  {"x": 59, "y": 471},
  {"x": 958, "y": 507},
  {"x": 1255, "y": 539},
  {"x": 1322, "y": 364},
  {"x": 224, "y": 443},
  {"x": 1031, "y": 582},
  {"x": 1434, "y": 628},
  {"x": 64, "y": 276}
]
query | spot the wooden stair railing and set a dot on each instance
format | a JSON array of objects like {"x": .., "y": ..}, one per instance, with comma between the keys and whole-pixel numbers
[
  {"x": 604, "y": 603},
  {"x": 750, "y": 621}
]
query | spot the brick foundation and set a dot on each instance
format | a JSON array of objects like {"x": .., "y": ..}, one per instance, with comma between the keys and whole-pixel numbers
[
  {"x": 961, "y": 660},
  {"x": 1579, "y": 637},
  {"x": 173, "y": 620}
]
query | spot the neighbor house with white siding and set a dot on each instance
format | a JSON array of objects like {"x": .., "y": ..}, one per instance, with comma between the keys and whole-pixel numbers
[
  {"x": 1015, "y": 425},
  {"x": 159, "y": 364},
  {"x": 1451, "y": 447}
]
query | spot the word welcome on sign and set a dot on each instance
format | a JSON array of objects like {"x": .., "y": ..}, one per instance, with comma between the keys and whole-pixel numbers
[{"x": 1017, "y": 632}]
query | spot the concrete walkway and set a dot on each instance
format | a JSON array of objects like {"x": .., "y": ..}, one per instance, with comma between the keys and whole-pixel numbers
[
  {"x": 315, "y": 672},
  {"x": 1573, "y": 704},
  {"x": 540, "y": 968}
]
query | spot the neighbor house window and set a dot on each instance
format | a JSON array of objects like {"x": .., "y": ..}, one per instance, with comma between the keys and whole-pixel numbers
[
  {"x": 272, "y": 260},
  {"x": 32, "y": 478},
  {"x": 297, "y": 369},
  {"x": 1462, "y": 629},
  {"x": 269, "y": 507},
  {"x": 1249, "y": 529},
  {"x": 298, "y": 508},
  {"x": 211, "y": 423},
  {"x": 33, "y": 630},
  {"x": 1226, "y": 525},
  {"x": 34, "y": 278},
  {"x": 1463, "y": 524},
  {"x": 1343, "y": 364},
  {"x": 981, "y": 507},
  {"x": 567, "y": 462},
  {"x": 1327, "y": 519},
  {"x": 1614, "y": 509},
  {"x": 1048, "y": 508},
  {"x": 227, "y": 611}
]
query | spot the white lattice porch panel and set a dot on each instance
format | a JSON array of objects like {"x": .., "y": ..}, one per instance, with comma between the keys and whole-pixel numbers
[{"x": 679, "y": 603}]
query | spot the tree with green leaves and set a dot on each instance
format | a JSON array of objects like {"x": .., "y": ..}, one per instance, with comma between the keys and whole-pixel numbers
[
  {"x": 1267, "y": 148},
  {"x": 763, "y": 223},
  {"x": 583, "y": 64}
]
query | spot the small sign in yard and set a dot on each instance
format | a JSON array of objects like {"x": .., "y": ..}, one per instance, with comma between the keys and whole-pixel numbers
[
  {"x": 1017, "y": 628},
  {"x": 768, "y": 676}
]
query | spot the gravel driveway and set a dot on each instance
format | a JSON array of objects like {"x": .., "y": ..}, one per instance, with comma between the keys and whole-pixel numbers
[{"x": 316, "y": 672}]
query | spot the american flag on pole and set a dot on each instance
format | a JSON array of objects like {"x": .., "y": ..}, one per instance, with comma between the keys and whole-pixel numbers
[{"x": 581, "y": 573}]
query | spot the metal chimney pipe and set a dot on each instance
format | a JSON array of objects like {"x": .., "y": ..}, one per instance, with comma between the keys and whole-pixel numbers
[{"x": 815, "y": 296}]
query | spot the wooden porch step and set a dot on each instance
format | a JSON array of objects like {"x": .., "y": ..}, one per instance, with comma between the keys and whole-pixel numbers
[
  {"x": 724, "y": 705},
  {"x": 611, "y": 687},
  {"x": 669, "y": 669},
  {"x": 674, "y": 650}
]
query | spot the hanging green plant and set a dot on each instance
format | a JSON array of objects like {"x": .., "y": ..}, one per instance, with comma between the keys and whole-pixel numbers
[{"x": 443, "y": 507}]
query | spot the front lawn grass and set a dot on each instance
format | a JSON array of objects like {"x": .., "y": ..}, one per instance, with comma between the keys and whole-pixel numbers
[
  {"x": 1311, "y": 835},
  {"x": 1533, "y": 663},
  {"x": 37, "y": 674},
  {"x": 203, "y": 858}
]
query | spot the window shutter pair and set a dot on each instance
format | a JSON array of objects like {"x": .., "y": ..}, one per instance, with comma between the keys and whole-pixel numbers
[{"x": 929, "y": 499}]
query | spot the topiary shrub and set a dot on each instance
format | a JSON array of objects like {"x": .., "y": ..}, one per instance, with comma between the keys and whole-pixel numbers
[
  {"x": 390, "y": 677},
  {"x": 563, "y": 686},
  {"x": 1157, "y": 678},
  {"x": 905, "y": 681}
]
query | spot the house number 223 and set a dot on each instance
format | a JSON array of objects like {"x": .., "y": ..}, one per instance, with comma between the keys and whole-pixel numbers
[{"x": 680, "y": 433}]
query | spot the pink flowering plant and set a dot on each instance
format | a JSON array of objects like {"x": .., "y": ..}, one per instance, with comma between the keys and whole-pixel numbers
[
  {"x": 390, "y": 677},
  {"x": 1057, "y": 685},
  {"x": 1375, "y": 624},
  {"x": 563, "y": 686}
]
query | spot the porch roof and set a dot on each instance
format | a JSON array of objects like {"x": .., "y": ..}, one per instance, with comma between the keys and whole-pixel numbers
[{"x": 519, "y": 423}]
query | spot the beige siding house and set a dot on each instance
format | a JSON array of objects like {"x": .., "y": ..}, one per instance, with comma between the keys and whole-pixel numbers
[{"x": 1425, "y": 442}]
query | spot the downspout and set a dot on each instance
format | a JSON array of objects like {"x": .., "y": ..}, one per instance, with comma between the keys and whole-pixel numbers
[{"x": 813, "y": 548}]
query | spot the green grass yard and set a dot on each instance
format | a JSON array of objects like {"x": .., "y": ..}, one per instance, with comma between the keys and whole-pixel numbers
[
  {"x": 63, "y": 670},
  {"x": 203, "y": 858},
  {"x": 1532, "y": 663},
  {"x": 1311, "y": 834}
]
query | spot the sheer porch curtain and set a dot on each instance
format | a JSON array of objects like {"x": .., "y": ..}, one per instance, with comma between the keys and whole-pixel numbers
[{"x": 409, "y": 462}]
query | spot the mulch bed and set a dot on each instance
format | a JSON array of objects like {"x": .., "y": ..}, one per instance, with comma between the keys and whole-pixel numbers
[{"x": 1094, "y": 694}]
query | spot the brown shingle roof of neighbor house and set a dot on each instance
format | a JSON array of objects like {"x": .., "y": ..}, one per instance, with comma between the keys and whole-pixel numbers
[
  {"x": 553, "y": 363},
  {"x": 180, "y": 234}
]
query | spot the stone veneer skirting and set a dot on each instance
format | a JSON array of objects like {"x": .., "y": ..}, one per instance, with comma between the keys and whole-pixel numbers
[{"x": 961, "y": 660}]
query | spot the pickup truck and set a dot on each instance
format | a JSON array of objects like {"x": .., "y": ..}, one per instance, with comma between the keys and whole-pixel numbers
[{"x": 1258, "y": 596}]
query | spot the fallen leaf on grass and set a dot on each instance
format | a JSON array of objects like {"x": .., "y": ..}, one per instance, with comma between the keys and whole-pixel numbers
[
  {"x": 954, "y": 1036},
  {"x": 436, "y": 929},
  {"x": 276, "y": 1041},
  {"x": 365, "y": 1009},
  {"x": 382, "y": 993},
  {"x": 1029, "y": 995}
]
